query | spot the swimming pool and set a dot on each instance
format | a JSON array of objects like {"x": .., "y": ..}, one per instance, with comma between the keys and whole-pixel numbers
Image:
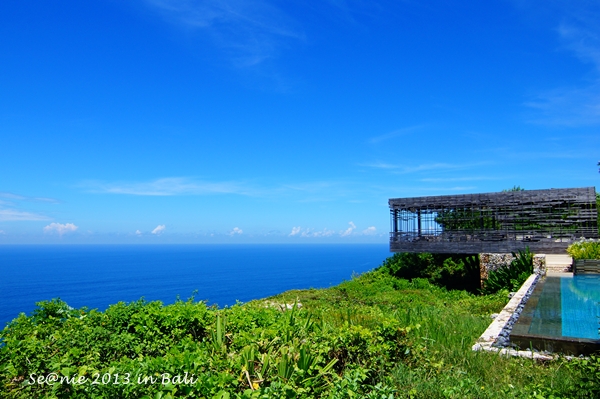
[{"x": 561, "y": 315}]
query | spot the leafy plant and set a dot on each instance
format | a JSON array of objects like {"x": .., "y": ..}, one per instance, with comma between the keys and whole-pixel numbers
[{"x": 584, "y": 250}]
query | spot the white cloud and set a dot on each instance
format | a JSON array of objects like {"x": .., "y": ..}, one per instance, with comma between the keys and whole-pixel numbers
[
  {"x": 158, "y": 230},
  {"x": 319, "y": 233},
  {"x": 370, "y": 231},
  {"x": 236, "y": 230},
  {"x": 311, "y": 233},
  {"x": 137, "y": 232},
  {"x": 2, "y": 232},
  {"x": 349, "y": 230},
  {"x": 60, "y": 228}
]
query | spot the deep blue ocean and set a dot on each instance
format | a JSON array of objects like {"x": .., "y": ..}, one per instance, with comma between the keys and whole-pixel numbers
[{"x": 99, "y": 275}]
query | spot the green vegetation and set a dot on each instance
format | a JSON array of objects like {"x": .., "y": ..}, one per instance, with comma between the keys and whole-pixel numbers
[
  {"x": 584, "y": 250},
  {"x": 375, "y": 336},
  {"x": 467, "y": 220},
  {"x": 510, "y": 277},
  {"x": 451, "y": 271},
  {"x": 514, "y": 188}
]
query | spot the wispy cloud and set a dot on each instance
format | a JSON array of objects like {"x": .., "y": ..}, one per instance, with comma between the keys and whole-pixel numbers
[
  {"x": 576, "y": 105},
  {"x": 567, "y": 106},
  {"x": 396, "y": 133},
  {"x": 158, "y": 229},
  {"x": 12, "y": 196},
  {"x": 17, "y": 197},
  {"x": 250, "y": 31},
  {"x": 17, "y": 215},
  {"x": 381, "y": 165},
  {"x": 11, "y": 207},
  {"x": 312, "y": 187},
  {"x": 167, "y": 187},
  {"x": 452, "y": 179},
  {"x": 138, "y": 233},
  {"x": 558, "y": 154},
  {"x": 405, "y": 169},
  {"x": 316, "y": 191},
  {"x": 295, "y": 231},
  {"x": 60, "y": 228}
]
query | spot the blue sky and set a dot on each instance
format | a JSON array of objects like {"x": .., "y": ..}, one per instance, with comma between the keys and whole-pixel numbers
[{"x": 174, "y": 121}]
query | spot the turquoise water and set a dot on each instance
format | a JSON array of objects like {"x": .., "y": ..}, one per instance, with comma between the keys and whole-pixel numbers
[
  {"x": 567, "y": 306},
  {"x": 580, "y": 306}
]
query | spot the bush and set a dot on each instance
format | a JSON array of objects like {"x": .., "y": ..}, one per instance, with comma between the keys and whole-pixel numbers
[
  {"x": 584, "y": 250},
  {"x": 512, "y": 276},
  {"x": 451, "y": 271},
  {"x": 245, "y": 351}
]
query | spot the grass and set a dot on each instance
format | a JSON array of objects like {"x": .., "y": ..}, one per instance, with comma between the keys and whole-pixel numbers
[{"x": 442, "y": 364}]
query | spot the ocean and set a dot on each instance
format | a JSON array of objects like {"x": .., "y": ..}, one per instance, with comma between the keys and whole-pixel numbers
[{"x": 96, "y": 276}]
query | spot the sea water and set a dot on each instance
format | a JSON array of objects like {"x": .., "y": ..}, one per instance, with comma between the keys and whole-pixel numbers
[{"x": 100, "y": 275}]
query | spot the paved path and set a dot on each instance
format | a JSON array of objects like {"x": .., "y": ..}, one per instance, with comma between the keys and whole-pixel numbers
[{"x": 558, "y": 263}]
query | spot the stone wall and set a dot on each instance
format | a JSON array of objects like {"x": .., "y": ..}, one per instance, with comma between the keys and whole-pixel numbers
[
  {"x": 493, "y": 261},
  {"x": 539, "y": 264}
]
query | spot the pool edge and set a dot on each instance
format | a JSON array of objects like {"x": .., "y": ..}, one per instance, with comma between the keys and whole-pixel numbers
[{"x": 490, "y": 335}]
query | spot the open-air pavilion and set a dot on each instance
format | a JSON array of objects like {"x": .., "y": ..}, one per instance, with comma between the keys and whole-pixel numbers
[{"x": 546, "y": 221}]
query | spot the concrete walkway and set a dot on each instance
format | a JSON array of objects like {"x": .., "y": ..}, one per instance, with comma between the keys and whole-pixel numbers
[{"x": 558, "y": 263}]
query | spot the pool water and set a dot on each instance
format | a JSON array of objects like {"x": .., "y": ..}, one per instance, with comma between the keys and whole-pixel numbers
[
  {"x": 562, "y": 314},
  {"x": 580, "y": 305}
]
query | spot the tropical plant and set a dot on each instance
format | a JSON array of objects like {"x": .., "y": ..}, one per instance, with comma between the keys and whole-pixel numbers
[{"x": 584, "y": 250}]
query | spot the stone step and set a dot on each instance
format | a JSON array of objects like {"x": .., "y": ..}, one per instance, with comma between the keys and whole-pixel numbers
[
  {"x": 558, "y": 259},
  {"x": 558, "y": 263}
]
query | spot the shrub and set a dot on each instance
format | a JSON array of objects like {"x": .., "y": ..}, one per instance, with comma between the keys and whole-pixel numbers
[
  {"x": 245, "y": 351},
  {"x": 451, "y": 271},
  {"x": 584, "y": 250}
]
